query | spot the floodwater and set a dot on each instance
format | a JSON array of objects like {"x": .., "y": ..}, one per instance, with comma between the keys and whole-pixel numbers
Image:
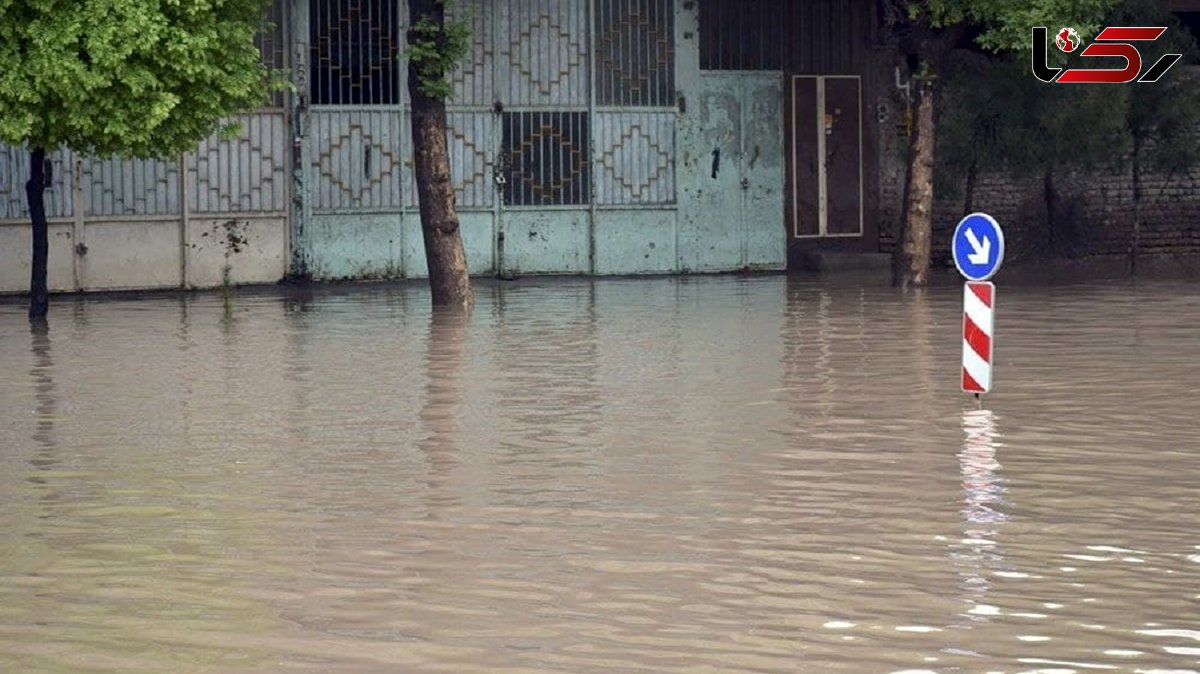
[{"x": 676, "y": 475}]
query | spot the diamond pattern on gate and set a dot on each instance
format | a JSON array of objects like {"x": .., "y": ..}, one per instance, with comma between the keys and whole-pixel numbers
[
  {"x": 636, "y": 157},
  {"x": 468, "y": 138},
  {"x": 354, "y": 53},
  {"x": 472, "y": 174},
  {"x": 547, "y": 187},
  {"x": 259, "y": 185},
  {"x": 327, "y": 163},
  {"x": 549, "y": 54},
  {"x": 472, "y": 81},
  {"x": 546, "y": 158},
  {"x": 635, "y": 52},
  {"x": 636, "y": 142}
]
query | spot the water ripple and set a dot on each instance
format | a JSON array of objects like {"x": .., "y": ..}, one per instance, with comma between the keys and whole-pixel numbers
[{"x": 675, "y": 475}]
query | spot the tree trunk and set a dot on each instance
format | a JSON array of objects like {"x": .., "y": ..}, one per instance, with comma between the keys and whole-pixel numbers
[
  {"x": 914, "y": 248},
  {"x": 444, "y": 253},
  {"x": 35, "y": 191},
  {"x": 1135, "y": 241}
]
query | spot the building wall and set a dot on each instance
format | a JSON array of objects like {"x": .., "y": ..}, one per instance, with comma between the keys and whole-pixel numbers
[
  {"x": 586, "y": 137},
  {"x": 599, "y": 120},
  {"x": 1094, "y": 215}
]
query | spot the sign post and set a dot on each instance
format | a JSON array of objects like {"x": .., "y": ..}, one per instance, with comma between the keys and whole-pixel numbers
[
  {"x": 979, "y": 301},
  {"x": 978, "y": 249}
]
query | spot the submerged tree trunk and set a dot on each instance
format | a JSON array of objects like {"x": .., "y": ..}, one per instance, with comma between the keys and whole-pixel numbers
[
  {"x": 1135, "y": 242},
  {"x": 913, "y": 266},
  {"x": 444, "y": 252},
  {"x": 35, "y": 191}
]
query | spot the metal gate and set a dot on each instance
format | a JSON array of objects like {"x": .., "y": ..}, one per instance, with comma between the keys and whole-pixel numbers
[{"x": 561, "y": 109}]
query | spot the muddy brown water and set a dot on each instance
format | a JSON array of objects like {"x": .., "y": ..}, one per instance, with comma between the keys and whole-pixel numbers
[{"x": 669, "y": 475}]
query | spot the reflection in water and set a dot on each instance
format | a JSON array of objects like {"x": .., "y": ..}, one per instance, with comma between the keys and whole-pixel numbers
[
  {"x": 42, "y": 375},
  {"x": 446, "y": 348},
  {"x": 45, "y": 395},
  {"x": 677, "y": 475},
  {"x": 297, "y": 368},
  {"x": 824, "y": 337},
  {"x": 922, "y": 319},
  {"x": 547, "y": 363},
  {"x": 814, "y": 336},
  {"x": 795, "y": 357},
  {"x": 980, "y": 553}
]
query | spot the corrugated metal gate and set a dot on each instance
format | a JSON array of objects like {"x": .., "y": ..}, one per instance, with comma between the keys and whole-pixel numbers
[{"x": 561, "y": 105}]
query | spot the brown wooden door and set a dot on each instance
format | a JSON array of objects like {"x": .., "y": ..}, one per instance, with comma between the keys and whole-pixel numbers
[
  {"x": 843, "y": 157},
  {"x": 805, "y": 173},
  {"x": 826, "y": 157}
]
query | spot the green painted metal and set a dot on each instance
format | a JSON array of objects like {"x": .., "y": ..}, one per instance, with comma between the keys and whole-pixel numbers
[
  {"x": 715, "y": 224},
  {"x": 630, "y": 242},
  {"x": 546, "y": 241},
  {"x": 764, "y": 172},
  {"x": 710, "y": 195},
  {"x": 355, "y": 246},
  {"x": 729, "y": 222},
  {"x": 477, "y": 233},
  {"x": 732, "y": 175}
]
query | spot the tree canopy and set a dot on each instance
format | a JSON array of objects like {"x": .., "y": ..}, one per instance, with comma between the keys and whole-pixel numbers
[
  {"x": 138, "y": 78},
  {"x": 1005, "y": 25},
  {"x": 1018, "y": 123}
]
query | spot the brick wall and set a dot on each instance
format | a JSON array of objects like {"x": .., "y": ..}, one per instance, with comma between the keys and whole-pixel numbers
[{"x": 1094, "y": 215}]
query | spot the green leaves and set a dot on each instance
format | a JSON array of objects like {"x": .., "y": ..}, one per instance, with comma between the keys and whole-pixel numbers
[
  {"x": 999, "y": 114},
  {"x": 1006, "y": 24},
  {"x": 1001, "y": 117},
  {"x": 136, "y": 78},
  {"x": 1163, "y": 115},
  {"x": 436, "y": 47}
]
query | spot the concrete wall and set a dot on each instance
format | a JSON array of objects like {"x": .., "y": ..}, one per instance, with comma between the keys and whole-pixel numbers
[
  {"x": 137, "y": 254},
  {"x": 16, "y": 249}
]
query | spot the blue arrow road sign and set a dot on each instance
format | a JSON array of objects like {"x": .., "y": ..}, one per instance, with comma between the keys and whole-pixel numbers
[{"x": 978, "y": 247}]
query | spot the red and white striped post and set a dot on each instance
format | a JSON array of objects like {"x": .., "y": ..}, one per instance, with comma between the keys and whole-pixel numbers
[
  {"x": 978, "y": 249},
  {"x": 979, "y": 308}
]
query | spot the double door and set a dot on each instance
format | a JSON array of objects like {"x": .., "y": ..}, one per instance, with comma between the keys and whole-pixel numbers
[{"x": 825, "y": 156}]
